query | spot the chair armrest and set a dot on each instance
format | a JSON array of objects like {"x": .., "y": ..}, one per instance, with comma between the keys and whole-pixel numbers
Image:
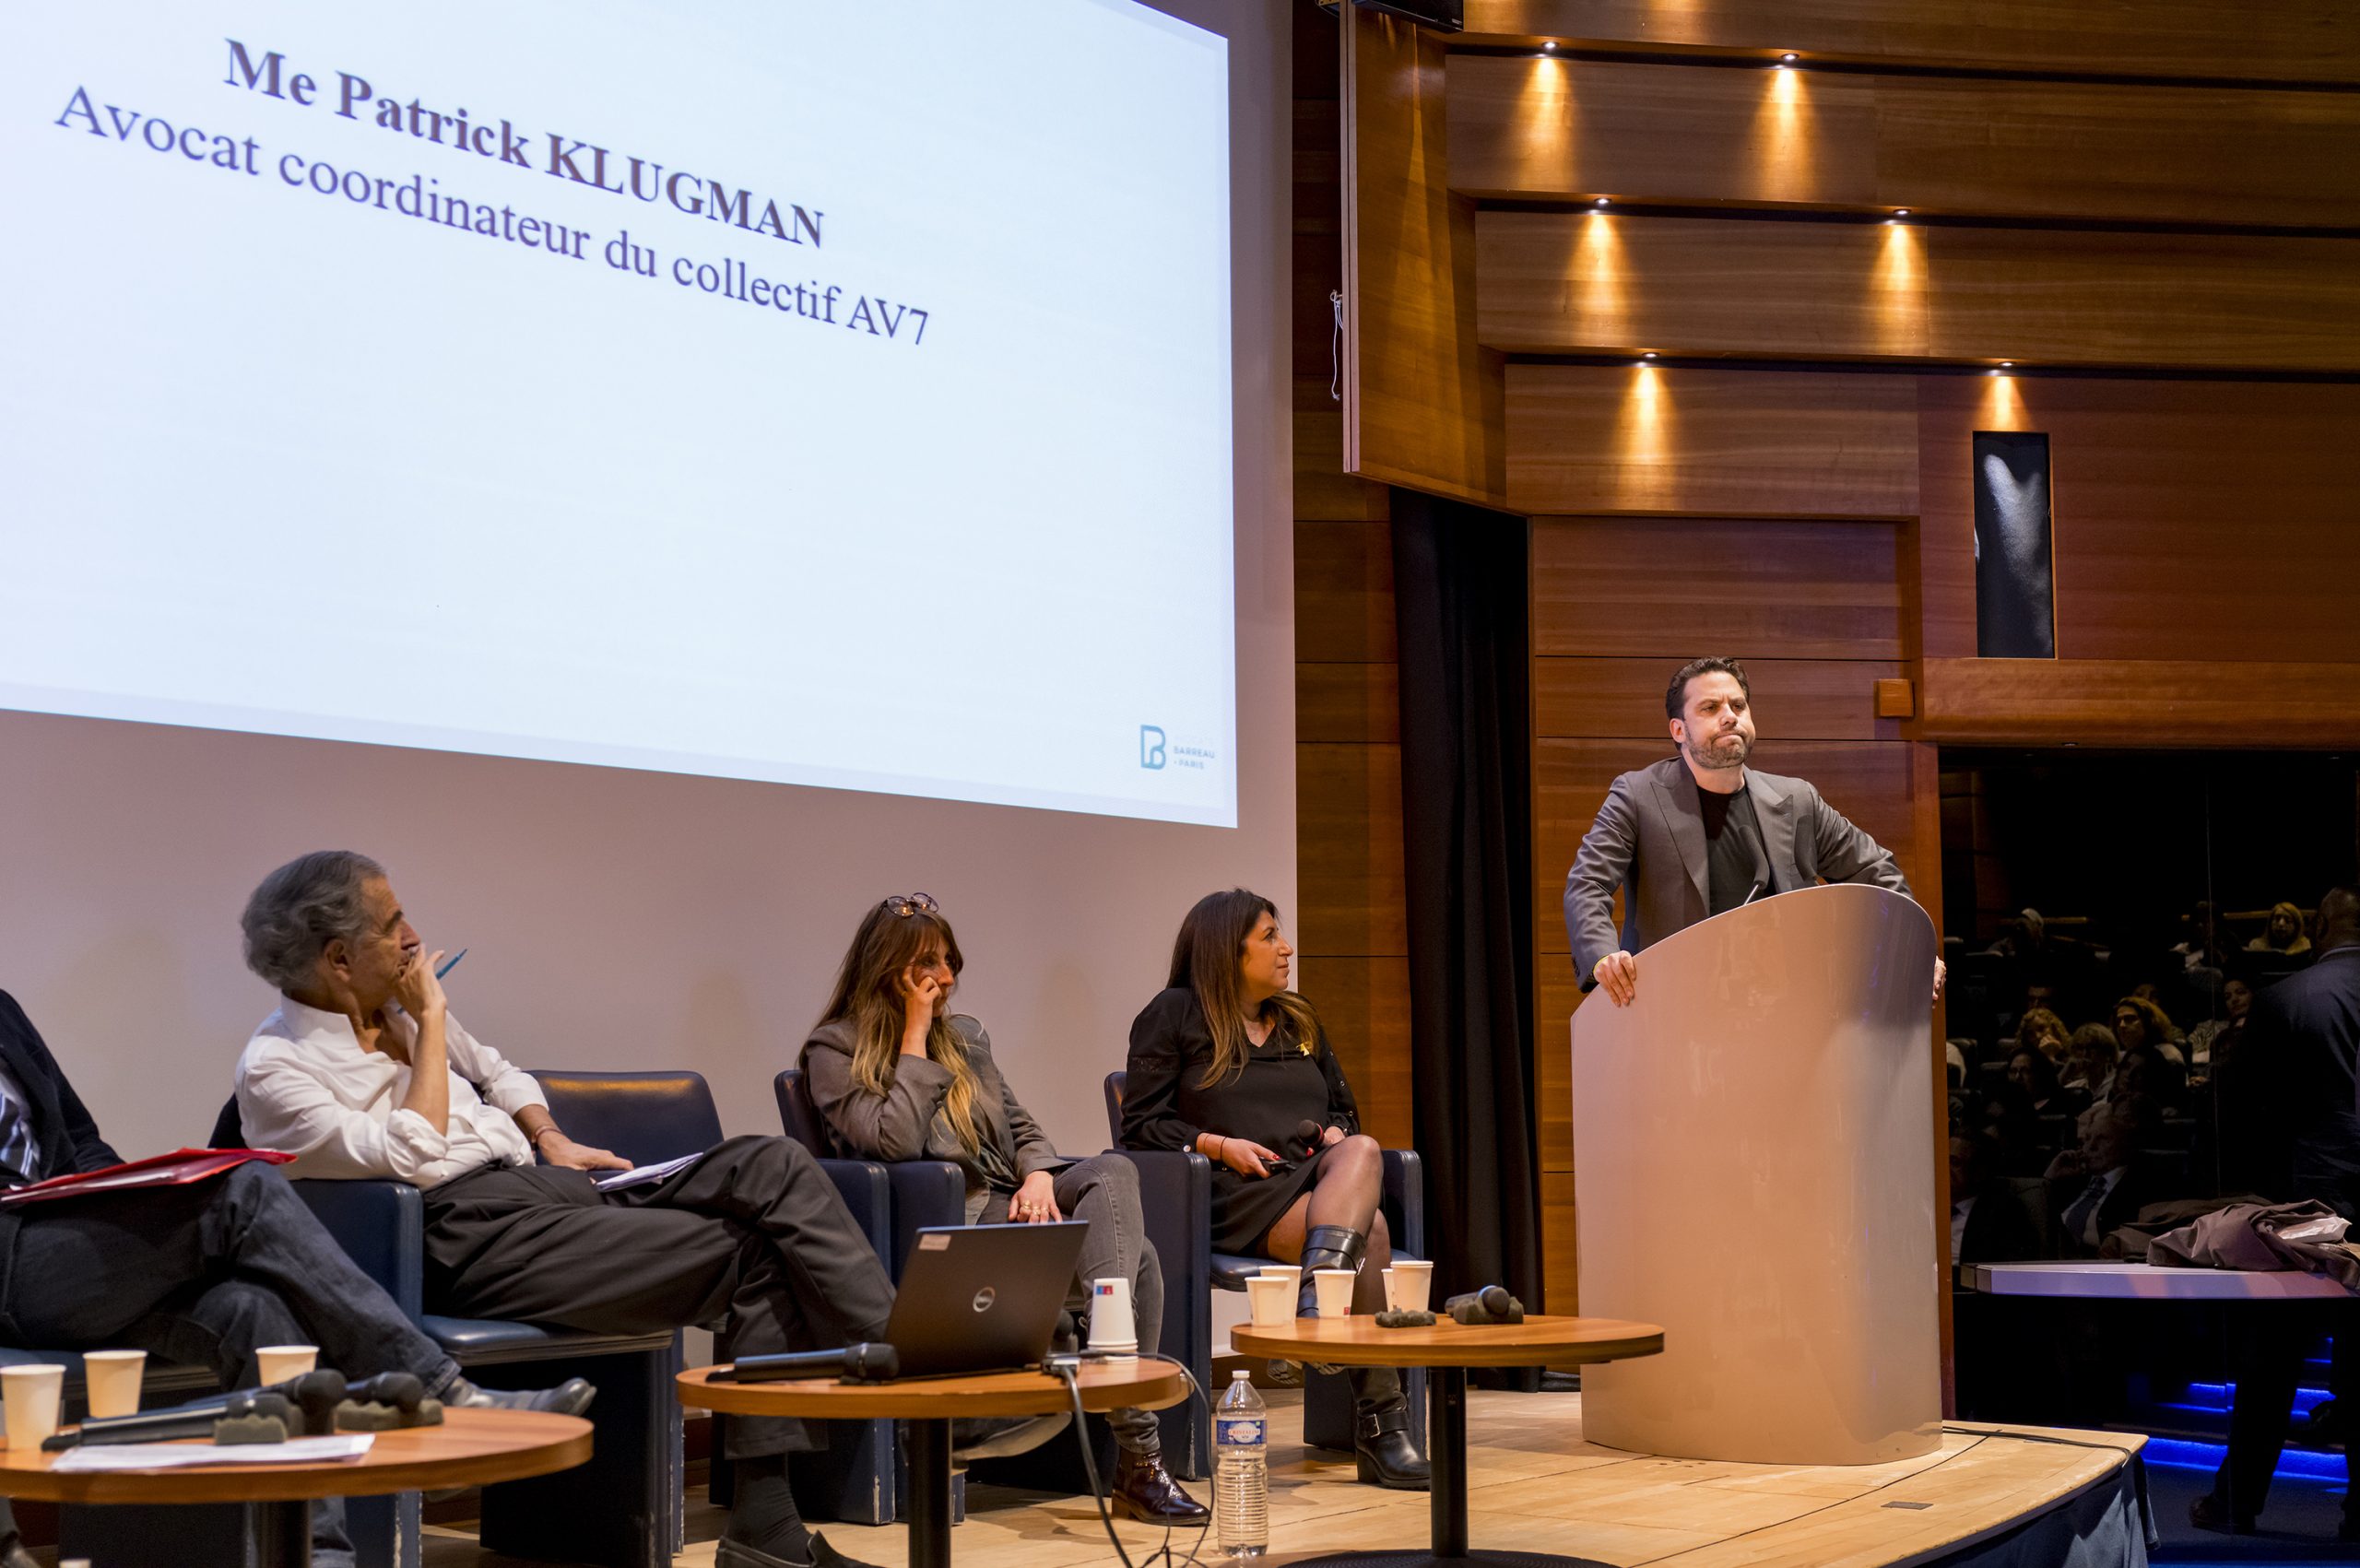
[
  {"x": 382, "y": 1227},
  {"x": 861, "y": 1185},
  {"x": 1405, "y": 1200},
  {"x": 1176, "y": 1191},
  {"x": 925, "y": 1192}
]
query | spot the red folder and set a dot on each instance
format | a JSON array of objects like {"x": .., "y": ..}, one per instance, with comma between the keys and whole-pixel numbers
[{"x": 176, "y": 1169}]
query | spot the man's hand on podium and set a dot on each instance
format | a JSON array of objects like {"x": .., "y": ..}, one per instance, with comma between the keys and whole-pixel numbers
[
  {"x": 1940, "y": 971},
  {"x": 1618, "y": 973}
]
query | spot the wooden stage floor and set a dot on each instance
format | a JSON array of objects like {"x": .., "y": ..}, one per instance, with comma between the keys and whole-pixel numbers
[{"x": 1538, "y": 1487}]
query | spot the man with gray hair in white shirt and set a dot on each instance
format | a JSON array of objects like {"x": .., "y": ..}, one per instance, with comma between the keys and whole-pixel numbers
[{"x": 362, "y": 1072}]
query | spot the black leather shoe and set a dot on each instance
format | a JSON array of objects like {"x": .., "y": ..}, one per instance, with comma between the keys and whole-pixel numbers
[
  {"x": 568, "y": 1399},
  {"x": 1145, "y": 1490},
  {"x": 737, "y": 1554},
  {"x": 1382, "y": 1450},
  {"x": 2209, "y": 1513}
]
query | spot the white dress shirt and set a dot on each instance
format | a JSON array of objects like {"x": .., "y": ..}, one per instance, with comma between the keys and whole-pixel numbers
[{"x": 306, "y": 1087}]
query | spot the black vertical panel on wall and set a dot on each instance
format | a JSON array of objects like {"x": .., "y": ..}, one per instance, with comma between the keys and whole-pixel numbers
[{"x": 2015, "y": 596}]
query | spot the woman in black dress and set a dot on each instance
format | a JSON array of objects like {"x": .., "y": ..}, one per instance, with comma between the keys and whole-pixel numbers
[{"x": 1230, "y": 1063}]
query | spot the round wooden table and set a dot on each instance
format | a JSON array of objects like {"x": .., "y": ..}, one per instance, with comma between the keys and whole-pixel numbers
[
  {"x": 928, "y": 1406},
  {"x": 1446, "y": 1350},
  {"x": 471, "y": 1448}
]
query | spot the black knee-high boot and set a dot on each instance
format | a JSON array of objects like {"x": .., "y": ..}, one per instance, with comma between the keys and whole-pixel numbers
[
  {"x": 1381, "y": 1445},
  {"x": 1327, "y": 1246}
]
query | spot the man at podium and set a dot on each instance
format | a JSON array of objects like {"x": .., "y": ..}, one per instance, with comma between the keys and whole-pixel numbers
[{"x": 1699, "y": 833}]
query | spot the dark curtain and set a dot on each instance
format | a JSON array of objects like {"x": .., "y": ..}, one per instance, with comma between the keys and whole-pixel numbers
[{"x": 1459, "y": 605}]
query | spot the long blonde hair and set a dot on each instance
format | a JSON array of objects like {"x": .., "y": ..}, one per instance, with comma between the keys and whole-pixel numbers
[
  {"x": 1206, "y": 959},
  {"x": 896, "y": 934}
]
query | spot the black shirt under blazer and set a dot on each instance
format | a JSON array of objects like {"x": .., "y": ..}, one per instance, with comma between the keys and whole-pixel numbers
[
  {"x": 1167, "y": 1104},
  {"x": 1648, "y": 843}
]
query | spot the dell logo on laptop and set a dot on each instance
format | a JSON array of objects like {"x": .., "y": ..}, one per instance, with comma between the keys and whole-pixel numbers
[{"x": 985, "y": 1298}]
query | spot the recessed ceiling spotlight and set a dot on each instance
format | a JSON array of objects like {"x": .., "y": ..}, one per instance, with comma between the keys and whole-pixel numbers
[
  {"x": 2009, "y": 364},
  {"x": 1648, "y": 355},
  {"x": 1601, "y": 201},
  {"x": 1549, "y": 48},
  {"x": 1901, "y": 212},
  {"x": 1786, "y": 59}
]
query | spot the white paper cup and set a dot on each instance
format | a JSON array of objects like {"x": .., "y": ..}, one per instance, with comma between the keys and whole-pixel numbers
[
  {"x": 279, "y": 1362},
  {"x": 1270, "y": 1297},
  {"x": 1409, "y": 1285},
  {"x": 1112, "y": 1327},
  {"x": 1290, "y": 1272},
  {"x": 31, "y": 1394},
  {"x": 113, "y": 1380},
  {"x": 1334, "y": 1292}
]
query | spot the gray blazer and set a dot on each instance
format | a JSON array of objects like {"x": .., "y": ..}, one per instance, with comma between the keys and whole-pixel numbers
[
  {"x": 901, "y": 1122},
  {"x": 1648, "y": 842}
]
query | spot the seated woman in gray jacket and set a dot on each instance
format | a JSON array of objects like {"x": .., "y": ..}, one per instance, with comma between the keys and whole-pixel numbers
[{"x": 897, "y": 1076}]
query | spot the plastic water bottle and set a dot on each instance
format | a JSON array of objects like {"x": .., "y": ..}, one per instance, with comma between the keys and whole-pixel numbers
[{"x": 1241, "y": 1469}]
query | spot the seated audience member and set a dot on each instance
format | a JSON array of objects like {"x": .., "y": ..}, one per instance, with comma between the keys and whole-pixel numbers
[
  {"x": 2139, "y": 1024},
  {"x": 2033, "y": 1072},
  {"x": 897, "y": 1076},
  {"x": 2042, "y": 1031},
  {"x": 1228, "y": 1062},
  {"x": 2284, "y": 934},
  {"x": 362, "y": 1072},
  {"x": 201, "y": 1273},
  {"x": 2097, "y": 1185},
  {"x": 1954, "y": 1063},
  {"x": 2215, "y": 1040},
  {"x": 1989, "y": 1224},
  {"x": 2089, "y": 1057}
]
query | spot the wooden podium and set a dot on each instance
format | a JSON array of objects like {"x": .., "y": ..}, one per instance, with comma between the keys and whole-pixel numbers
[{"x": 1753, "y": 1153}]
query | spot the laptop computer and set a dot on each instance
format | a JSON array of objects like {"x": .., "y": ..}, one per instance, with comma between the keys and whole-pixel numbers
[{"x": 982, "y": 1298}]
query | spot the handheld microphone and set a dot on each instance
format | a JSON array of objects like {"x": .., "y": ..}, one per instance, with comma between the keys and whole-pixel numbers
[
  {"x": 864, "y": 1362},
  {"x": 315, "y": 1395},
  {"x": 1310, "y": 1132}
]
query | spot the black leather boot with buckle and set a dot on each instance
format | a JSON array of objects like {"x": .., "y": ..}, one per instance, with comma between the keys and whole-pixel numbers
[{"x": 1381, "y": 1446}]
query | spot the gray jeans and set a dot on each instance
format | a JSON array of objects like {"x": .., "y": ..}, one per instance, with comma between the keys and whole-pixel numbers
[{"x": 1104, "y": 1191}]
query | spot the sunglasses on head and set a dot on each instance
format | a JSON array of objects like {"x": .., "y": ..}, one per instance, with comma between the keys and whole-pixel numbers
[{"x": 916, "y": 904}]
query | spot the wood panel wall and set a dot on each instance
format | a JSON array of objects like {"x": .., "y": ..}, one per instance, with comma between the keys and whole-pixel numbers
[
  {"x": 2149, "y": 216},
  {"x": 1423, "y": 397},
  {"x": 2263, "y": 41},
  {"x": 1352, "y": 932},
  {"x": 1565, "y": 130}
]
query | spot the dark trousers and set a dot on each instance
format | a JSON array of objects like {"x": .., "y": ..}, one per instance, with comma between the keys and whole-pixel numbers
[
  {"x": 2267, "y": 1344},
  {"x": 754, "y": 1233},
  {"x": 1105, "y": 1191},
  {"x": 202, "y": 1274}
]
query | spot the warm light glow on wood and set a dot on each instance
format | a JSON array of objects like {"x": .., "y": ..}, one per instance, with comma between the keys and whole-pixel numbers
[
  {"x": 1544, "y": 133},
  {"x": 1785, "y": 139},
  {"x": 1596, "y": 279},
  {"x": 2003, "y": 404},
  {"x": 1642, "y": 439},
  {"x": 1898, "y": 308}
]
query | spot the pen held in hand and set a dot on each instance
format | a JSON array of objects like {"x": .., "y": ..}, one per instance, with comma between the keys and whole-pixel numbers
[{"x": 451, "y": 963}]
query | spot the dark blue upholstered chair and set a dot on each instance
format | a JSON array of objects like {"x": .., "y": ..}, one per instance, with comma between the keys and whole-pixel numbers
[
  {"x": 934, "y": 1192},
  {"x": 623, "y": 1509},
  {"x": 1176, "y": 1189}
]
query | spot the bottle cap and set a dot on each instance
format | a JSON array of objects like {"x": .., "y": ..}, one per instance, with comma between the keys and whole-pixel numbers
[{"x": 1241, "y": 1371}]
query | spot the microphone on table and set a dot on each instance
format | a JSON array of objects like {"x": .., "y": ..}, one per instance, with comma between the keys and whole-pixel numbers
[
  {"x": 865, "y": 1363},
  {"x": 314, "y": 1397}
]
